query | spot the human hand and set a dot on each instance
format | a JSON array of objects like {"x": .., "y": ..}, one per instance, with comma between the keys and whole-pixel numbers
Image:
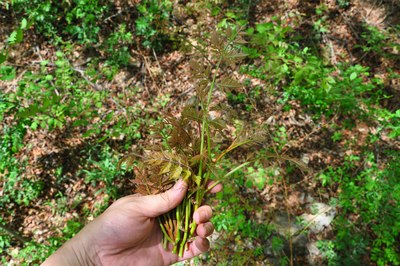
[{"x": 127, "y": 233}]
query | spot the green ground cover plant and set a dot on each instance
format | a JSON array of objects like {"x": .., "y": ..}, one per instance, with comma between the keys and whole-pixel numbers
[
  {"x": 371, "y": 194},
  {"x": 234, "y": 225},
  {"x": 80, "y": 19},
  {"x": 321, "y": 87},
  {"x": 154, "y": 23}
]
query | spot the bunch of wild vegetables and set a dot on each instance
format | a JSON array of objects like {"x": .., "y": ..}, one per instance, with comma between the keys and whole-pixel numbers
[{"x": 190, "y": 151}]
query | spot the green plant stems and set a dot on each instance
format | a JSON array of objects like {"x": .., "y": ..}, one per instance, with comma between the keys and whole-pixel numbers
[
  {"x": 166, "y": 237},
  {"x": 178, "y": 225},
  {"x": 186, "y": 234},
  {"x": 194, "y": 197}
]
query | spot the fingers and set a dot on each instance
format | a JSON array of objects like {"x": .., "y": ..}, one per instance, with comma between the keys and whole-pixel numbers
[
  {"x": 197, "y": 247},
  {"x": 202, "y": 214},
  {"x": 204, "y": 230},
  {"x": 214, "y": 188},
  {"x": 155, "y": 205}
]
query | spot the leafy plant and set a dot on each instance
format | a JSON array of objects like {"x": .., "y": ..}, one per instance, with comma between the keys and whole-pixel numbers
[
  {"x": 56, "y": 94},
  {"x": 117, "y": 47},
  {"x": 79, "y": 18},
  {"x": 102, "y": 168},
  {"x": 16, "y": 188},
  {"x": 15, "y": 37},
  {"x": 189, "y": 152},
  {"x": 372, "y": 195},
  {"x": 236, "y": 223},
  {"x": 343, "y": 3},
  {"x": 305, "y": 76},
  {"x": 153, "y": 22}
]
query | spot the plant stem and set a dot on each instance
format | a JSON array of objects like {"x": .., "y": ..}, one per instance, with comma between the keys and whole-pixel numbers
[
  {"x": 204, "y": 122},
  {"x": 164, "y": 232},
  {"x": 185, "y": 235}
]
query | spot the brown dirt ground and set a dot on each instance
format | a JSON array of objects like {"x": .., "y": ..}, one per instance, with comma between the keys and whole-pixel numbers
[{"x": 169, "y": 74}]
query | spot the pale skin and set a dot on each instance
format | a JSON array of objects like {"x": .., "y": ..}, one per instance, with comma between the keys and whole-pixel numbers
[{"x": 127, "y": 233}]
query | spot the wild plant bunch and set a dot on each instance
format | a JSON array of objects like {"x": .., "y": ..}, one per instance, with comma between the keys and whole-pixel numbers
[{"x": 190, "y": 151}]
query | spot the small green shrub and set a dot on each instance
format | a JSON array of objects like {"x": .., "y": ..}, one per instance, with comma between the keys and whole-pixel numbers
[
  {"x": 305, "y": 76},
  {"x": 16, "y": 188},
  {"x": 374, "y": 40},
  {"x": 102, "y": 168},
  {"x": 14, "y": 38},
  {"x": 154, "y": 22},
  {"x": 55, "y": 96},
  {"x": 370, "y": 212},
  {"x": 343, "y": 3},
  {"x": 117, "y": 47},
  {"x": 236, "y": 224},
  {"x": 78, "y": 19}
]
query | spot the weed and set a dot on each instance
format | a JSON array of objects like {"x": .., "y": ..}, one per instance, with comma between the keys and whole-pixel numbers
[
  {"x": 153, "y": 22},
  {"x": 235, "y": 223},
  {"x": 102, "y": 168},
  {"x": 15, "y": 37},
  {"x": 343, "y": 3},
  {"x": 79, "y": 20},
  {"x": 373, "y": 195},
  {"x": 307, "y": 77},
  {"x": 117, "y": 47}
]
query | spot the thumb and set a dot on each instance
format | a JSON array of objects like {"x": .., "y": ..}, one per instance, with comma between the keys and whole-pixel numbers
[{"x": 155, "y": 205}]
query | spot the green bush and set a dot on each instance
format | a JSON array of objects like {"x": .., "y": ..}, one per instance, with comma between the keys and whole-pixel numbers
[
  {"x": 370, "y": 212},
  {"x": 305, "y": 76},
  {"x": 153, "y": 23},
  {"x": 79, "y": 19},
  {"x": 236, "y": 224}
]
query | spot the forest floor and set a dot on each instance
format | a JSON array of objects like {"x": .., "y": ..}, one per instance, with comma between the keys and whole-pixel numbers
[{"x": 163, "y": 84}]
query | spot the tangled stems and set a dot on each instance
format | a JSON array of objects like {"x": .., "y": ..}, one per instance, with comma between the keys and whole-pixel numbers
[{"x": 178, "y": 226}]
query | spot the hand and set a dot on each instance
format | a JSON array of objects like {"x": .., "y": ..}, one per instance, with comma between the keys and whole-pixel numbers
[{"x": 127, "y": 233}]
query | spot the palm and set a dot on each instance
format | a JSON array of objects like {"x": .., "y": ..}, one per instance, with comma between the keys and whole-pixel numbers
[
  {"x": 130, "y": 237},
  {"x": 127, "y": 233}
]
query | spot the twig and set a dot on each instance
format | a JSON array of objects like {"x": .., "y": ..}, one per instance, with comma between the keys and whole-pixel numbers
[
  {"x": 158, "y": 64},
  {"x": 113, "y": 16},
  {"x": 82, "y": 72}
]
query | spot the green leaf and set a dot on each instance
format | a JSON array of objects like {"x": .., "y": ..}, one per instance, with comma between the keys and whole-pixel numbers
[
  {"x": 20, "y": 36},
  {"x": 3, "y": 58},
  {"x": 12, "y": 38},
  {"x": 7, "y": 73},
  {"x": 30, "y": 111},
  {"x": 353, "y": 76},
  {"x": 24, "y": 23},
  {"x": 34, "y": 125},
  {"x": 263, "y": 27},
  {"x": 249, "y": 184}
]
